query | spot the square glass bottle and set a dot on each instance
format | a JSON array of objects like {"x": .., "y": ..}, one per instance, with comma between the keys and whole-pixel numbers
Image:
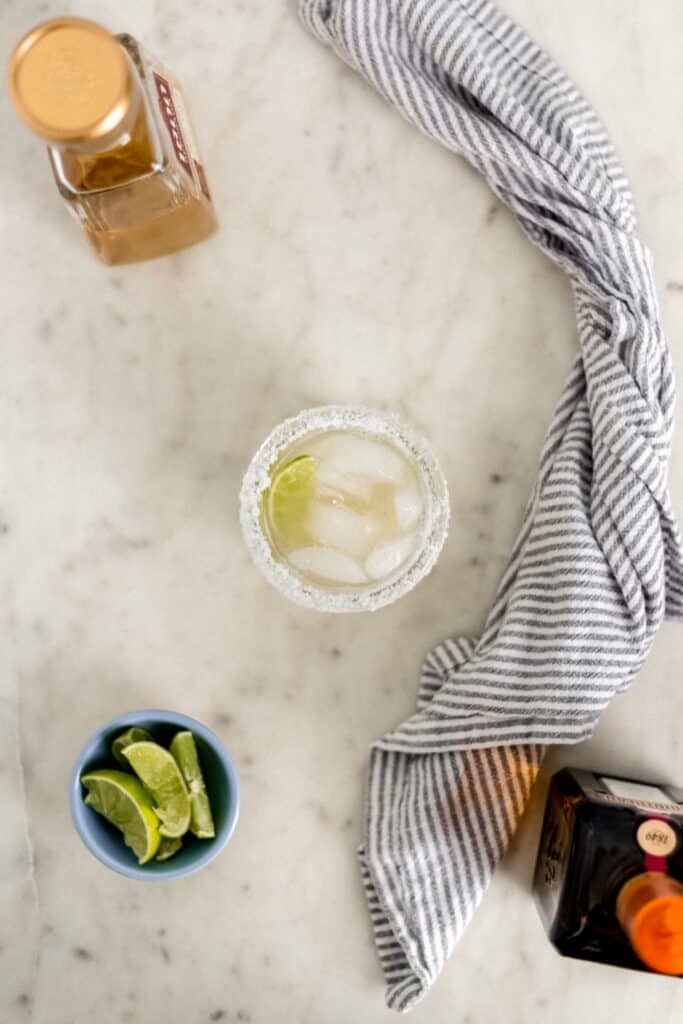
[
  {"x": 119, "y": 139},
  {"x": 609, "y": 873}
]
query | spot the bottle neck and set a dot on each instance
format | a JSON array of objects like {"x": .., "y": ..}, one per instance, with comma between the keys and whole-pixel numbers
[
  {"x": 650, "y": 912},
  {"x": 119, "y": 136},
  {"x": 129, "y": 152}
]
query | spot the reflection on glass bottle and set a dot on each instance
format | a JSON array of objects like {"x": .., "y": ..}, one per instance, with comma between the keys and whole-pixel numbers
[
  {"x": 609, "y": 874},
  {"x": 119, "y": 139}
]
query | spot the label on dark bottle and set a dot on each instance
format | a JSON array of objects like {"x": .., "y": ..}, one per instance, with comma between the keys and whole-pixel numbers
[
  {"x": 553, "y": 853},
  {"x": 638, "y": 794},
  {"x": 656, "y": 837}
]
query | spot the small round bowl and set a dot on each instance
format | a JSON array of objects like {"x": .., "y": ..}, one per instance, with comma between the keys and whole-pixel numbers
[{"x": 222, "y": 785}]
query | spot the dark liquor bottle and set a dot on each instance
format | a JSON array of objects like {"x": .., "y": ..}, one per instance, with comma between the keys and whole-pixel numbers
[{"x": 609, "y": 874}]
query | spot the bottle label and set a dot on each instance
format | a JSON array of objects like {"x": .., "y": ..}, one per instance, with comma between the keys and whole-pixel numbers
[
  {"x": 637, "y": 794},
  {"x": 192, "y": 148},
  {"x": 172, "y": 121},
  {"x": 553, "y": 854},
  {"x": 174, "y": 114},
  {"x": 656, "y": 837}
]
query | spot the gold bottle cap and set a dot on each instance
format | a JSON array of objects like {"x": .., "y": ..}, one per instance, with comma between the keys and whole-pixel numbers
[{"x": 69, "y": 80}]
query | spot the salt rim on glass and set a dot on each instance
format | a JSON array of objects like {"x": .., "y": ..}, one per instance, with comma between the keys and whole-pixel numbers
[{"x": 384, "y": 426}]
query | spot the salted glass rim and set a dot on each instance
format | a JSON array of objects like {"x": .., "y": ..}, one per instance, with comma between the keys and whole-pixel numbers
[{"x": 361, "y": 419}]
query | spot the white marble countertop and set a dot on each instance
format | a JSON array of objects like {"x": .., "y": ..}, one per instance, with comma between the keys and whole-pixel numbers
[{"x": 355, "y": 261}]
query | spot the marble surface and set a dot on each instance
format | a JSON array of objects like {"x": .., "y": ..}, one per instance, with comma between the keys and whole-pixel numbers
[{"x": 355, "y": 262}]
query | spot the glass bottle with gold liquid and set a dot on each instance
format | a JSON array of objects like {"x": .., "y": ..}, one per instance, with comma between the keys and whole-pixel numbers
[{"x": 119, "y": 140}]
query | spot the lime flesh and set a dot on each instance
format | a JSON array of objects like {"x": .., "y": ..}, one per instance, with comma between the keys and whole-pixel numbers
[
  {"x": 132, "y": 735},
  {"x": 168, "y": 847},
  {"x": 125, "y": 803},
  {"x": 287, "y": 501},
  {"x": 184, "y": 749},
  {"x": 159, "y": 772}
]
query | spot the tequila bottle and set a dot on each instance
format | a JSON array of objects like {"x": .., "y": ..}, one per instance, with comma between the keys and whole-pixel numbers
[
  {"x": 609, "y": 874},
  {"x": 119, "y": 140}
]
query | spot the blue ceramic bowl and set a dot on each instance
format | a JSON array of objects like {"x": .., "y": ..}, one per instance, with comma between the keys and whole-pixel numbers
[{"x": 106, "y": 842}]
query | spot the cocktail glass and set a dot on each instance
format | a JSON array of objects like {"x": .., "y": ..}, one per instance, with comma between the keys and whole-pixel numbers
[{"x": 344, "y": 508}]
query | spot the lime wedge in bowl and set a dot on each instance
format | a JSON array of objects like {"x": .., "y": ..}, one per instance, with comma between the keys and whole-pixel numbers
[
  {"x": 132, "y": 735},
  {"x": 168, "y": 847},
  {"x": 287, "y": 501},
  {"x": 184, "y": 749},
  {"x": 158, "y": 770},
  {"x": 126, "y": 804}
]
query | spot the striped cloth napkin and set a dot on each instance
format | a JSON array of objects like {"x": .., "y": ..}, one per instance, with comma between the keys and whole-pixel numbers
[{"x": 597, "y": 565}]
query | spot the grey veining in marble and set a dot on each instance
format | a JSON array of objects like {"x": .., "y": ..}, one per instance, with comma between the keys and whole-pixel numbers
[{"x": 355, "y": 262}]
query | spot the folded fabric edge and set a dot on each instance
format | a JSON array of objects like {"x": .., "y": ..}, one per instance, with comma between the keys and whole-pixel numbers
[{"x": 405, "y": 985}]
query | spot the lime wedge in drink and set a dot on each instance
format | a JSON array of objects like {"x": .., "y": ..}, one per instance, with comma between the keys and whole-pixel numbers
[
  {"x": 159, "y": 772},
  {"x": 167, "y": 847},
  {"x": 287, "y": 501},
  {"x": 132, "y": 735},
  {"x": 124, "y": 801},
  {"x": 184, "y": 749}
]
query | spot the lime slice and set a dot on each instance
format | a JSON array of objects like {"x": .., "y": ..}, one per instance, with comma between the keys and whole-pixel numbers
[
  {"x": 132, "y": 735},
  {"x": 160, "y": 774},
  {"x": 184, "y": 749},
  {"x": 126, "y": 804},
  {"x": 287, "y": 501},
  {"x": 168, "y": 847}
]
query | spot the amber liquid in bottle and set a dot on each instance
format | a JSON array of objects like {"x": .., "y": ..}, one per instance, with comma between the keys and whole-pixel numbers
[{"x": 138, "y": 190}]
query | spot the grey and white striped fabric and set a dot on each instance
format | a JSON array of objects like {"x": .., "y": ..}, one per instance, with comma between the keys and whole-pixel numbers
[{"x": 597, "y": 565}]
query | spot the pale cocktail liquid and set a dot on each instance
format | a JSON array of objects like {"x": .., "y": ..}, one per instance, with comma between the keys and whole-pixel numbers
[{"x": 360, "y": 521}]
